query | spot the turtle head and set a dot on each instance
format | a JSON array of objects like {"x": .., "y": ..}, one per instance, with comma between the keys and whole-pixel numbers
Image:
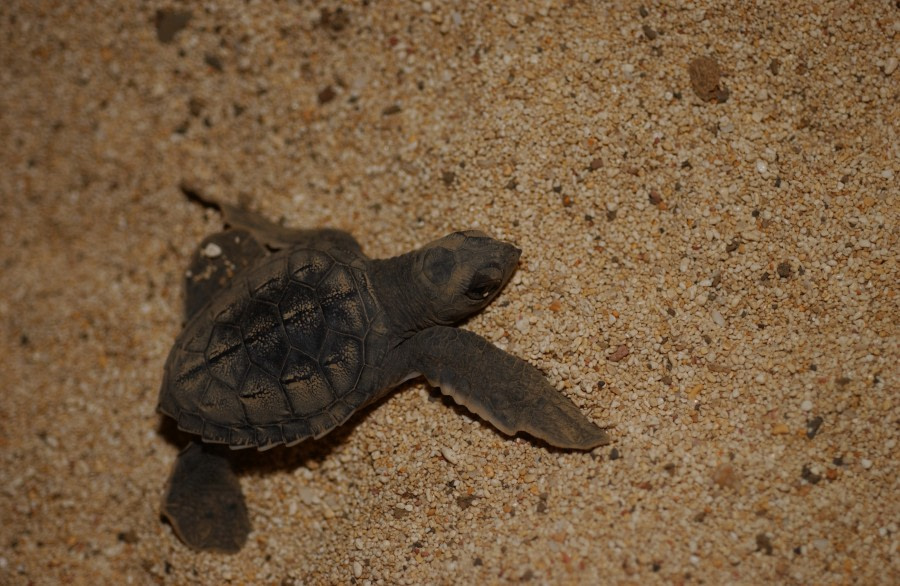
[{"x": 461, "y": 273}]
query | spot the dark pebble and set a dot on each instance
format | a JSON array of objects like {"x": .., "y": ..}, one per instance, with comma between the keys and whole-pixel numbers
[
  {"x": 763, "y": 543},
  {"x": 843, "y": 381},
  {"x": 650, "y": 33},
  {"x": 195, "y": 106},
  {"x": 213, "y": 62},
  {"x": 655, "y": 197},
  {"x": 335, "y": 20},
  {"x": 784, "y": 270},
  {"x": 128, "y": 536},
  {"x": 511, "y": 184},
  {"x": 610, "y": 215},
  {"x": 169, "y": 23},
  {"x": 448, "y": 177},
  {"x": 722, "y": 94},
  {"x": 643, "y": 11},
  {"x": 813, "y": 425},
  {"x": 391, "y": 110},
  {"x": 595, "y": 164},
  {"x": 808, "y": 475},
  {"x": 614, "y": 454},
  {"x": 465, "y": 502},
  {"x": 326, "y": 95}
]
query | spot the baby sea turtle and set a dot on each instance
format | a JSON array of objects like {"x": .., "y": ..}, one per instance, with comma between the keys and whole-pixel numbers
[{"x": 289, "y": 332}]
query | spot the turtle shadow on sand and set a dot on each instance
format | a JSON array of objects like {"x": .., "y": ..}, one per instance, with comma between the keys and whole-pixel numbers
[{"x": 290, "y": 333}]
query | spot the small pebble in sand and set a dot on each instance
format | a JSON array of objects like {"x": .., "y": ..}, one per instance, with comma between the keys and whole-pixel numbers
[
  {"x": 764, "y": 544},
  {"x": 169, "y": 23},
  {"x": 620, "y": 353},
  {"x": 725, "y": 476},
  {"x": 812, "y": 426},
  {"x": 890, "y": 65},
  {"x": 326, "y": 95},
  {"x": 449, "y": 455},
  {"x": 212, "y": 250},
  {"x": 784, "y": 270},
  {"x": 705, "y": 76},
  {"x": 806, "y": 405}
]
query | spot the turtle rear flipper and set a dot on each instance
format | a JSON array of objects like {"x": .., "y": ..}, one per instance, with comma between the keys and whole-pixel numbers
[
  {"x": 504, "y": 390},
  {"x": 204, "y": 503}
]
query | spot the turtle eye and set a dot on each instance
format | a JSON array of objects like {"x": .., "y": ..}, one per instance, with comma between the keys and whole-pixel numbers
[{"x": 482, "y": 287}]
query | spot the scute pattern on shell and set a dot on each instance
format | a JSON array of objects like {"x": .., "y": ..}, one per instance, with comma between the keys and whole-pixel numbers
[{"x": 282, "y": 354}]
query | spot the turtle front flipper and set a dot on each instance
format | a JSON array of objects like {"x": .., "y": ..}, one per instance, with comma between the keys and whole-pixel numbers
[
  {"x": 215, "y": 262},
  {"x": 273, "y": 235},
  {"x": 276, "y": 236},
  {"x": 502, "y": 389},
  {"x": 204, "y": 502}
]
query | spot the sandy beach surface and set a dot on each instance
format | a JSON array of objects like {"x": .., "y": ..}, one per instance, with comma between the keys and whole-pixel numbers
[{"x": 706, "y": 196}]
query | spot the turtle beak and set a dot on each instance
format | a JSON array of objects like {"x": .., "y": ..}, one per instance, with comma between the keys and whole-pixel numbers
[{"x": 511, "y": 252}]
